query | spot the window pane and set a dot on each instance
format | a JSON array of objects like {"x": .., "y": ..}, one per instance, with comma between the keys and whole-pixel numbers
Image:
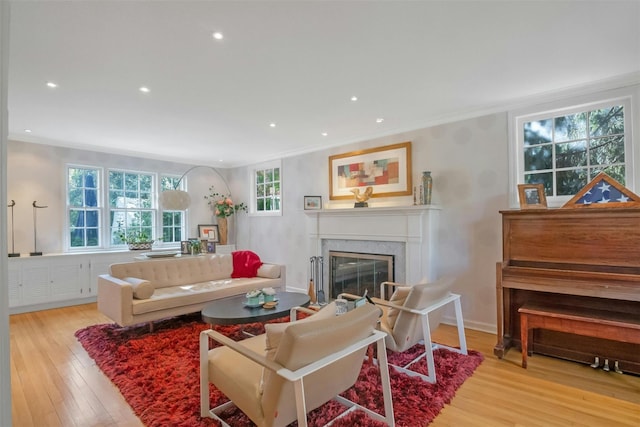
[
  {"x": 92, "y": 218},
  {"x": 145, "y": 183},
  {"x": 90, "y": 198},
  {"x": 538, "y": 132},
  {"x": 276, "y": 174},
  {"x": 569, "y": 182},
  {"x": 259, "y": 177},
  {"x": 75, "y": 198},
  {"x": 545, "y": 178},
  {"x": 569, "y": 128},
  {"x": 74, "y": 216},
  {"x": 608, "y": 150},
  {"x": 268, "y": 175},
  {"x": 76, "y": 237},
  {"x": 571, "y": 154},
  {"x": 538, "y": 158},
  {"x": 92, "y": 237},
  {"x": 260, "y": 190},
  {"x": 607, "y": 121},
  {"x": 267, "y": 204},
  {"x": 131, "y": 182},
  {"x": 116, "y": 199},
  {"x": 260, "y": 204},
  {"x": 616, "y": 172},
  {"x": 116, "y": 180}
]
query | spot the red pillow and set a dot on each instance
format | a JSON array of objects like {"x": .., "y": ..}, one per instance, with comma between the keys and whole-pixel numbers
[{"x": 245, "y": 264}]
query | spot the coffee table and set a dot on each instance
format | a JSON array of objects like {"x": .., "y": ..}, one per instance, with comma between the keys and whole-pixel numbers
[{"x": 232, "y": 310}]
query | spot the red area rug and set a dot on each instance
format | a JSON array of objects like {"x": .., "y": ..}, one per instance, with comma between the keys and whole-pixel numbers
[{"x": 158, "y": 375}]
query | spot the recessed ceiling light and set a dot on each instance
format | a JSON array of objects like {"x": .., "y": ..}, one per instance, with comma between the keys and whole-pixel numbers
[
  {"x": 218, "y": 35},
  {"x": 272, "y": 125},
  {"x": 379, "y": 120},
  {"x": 52, "y": 84},
  {"x": 324, "y": 134},
  {"x": 27, "y": 130},
  {"x": 144, "y": 89},
  {"x": 354, "y": 98}
]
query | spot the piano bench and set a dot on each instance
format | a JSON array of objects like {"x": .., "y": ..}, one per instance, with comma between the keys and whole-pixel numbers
[{"x": 576, "y": 320}]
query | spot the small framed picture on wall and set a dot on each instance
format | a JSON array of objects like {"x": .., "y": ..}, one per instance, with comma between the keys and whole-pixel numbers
[
  {"x": 211, "y": 247},
  {"x": 312, "y": 203}
]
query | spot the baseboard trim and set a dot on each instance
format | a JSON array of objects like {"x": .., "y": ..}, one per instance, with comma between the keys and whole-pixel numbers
[{"x": 50, "y": 305}]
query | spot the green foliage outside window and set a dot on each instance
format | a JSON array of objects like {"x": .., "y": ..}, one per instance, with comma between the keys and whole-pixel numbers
[{"x": 565, "y": 152}]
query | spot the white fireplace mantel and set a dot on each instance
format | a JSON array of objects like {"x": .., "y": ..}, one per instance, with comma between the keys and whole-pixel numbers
[{"x": 415, "y": 226}]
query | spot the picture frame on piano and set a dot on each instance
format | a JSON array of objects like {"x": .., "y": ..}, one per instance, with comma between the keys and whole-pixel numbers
[{"x": 532, "y": 196}]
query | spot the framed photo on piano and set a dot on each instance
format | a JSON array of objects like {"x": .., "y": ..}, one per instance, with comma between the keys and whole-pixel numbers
[{"x": 532, "y": 196}]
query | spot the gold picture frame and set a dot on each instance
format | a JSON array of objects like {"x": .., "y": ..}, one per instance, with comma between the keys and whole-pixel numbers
[
  {"x": 386, "y": 169},
  {"x": 532, "y": 196}
]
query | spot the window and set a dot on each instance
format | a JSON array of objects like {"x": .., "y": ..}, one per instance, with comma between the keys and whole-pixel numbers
[
  {"x": 98, "y": 215},
  {"x": 172, "y": 221},
  {"x": 131, "y": 207},
  {"x": 564, "y": 149},
  {"x": 267, "y": 185},
  {"x": 83, "y": 206}
]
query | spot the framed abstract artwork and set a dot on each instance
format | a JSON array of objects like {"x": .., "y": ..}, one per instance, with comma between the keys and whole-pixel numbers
[
  {"x": 208, "y": 232},
  {"x": 386, "y": 169}
]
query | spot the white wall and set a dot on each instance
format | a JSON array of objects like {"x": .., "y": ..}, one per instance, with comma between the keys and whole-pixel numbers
[
  {"x": 469, "y": 164},
  {"x": 37, "y": 172}
]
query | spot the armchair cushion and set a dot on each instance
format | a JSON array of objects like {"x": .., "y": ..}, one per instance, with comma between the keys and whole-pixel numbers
[
  {"x": 398, "y": 298},
  {"x": 274, "y": 331},
  {"x": 142, "y": 289}
]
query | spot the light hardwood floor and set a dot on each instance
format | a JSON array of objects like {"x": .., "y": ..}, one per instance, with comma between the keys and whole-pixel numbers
[{"x": 55, "y": 383}]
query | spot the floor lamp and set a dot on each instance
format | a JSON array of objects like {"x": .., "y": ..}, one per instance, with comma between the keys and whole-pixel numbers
[
  {"x": 13, "y": 242},
  {"x": 180, "y": 200},
  {"x": 35, "y": 229}
]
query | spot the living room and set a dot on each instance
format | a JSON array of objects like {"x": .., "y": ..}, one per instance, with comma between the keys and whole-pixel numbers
[{"x": 469, "y": 152}]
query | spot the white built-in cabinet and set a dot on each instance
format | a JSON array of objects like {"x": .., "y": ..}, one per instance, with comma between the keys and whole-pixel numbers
[{"x": 57, "y": 280}]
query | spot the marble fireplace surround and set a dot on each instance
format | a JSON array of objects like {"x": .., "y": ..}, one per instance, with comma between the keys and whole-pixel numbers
[{"x": 409, "y": 233}]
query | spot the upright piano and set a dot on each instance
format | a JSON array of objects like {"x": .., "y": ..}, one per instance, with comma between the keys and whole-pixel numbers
[{"x": 581, "y": 257}]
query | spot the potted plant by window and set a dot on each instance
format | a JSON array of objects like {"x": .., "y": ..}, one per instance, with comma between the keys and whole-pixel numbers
[{"x": 135, "y": 239}]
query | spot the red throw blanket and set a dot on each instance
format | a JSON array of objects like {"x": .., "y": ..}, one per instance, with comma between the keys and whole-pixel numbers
[{"x": 245, "y": 264}]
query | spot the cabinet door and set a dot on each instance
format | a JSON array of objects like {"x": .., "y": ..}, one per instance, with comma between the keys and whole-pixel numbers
[
  {"x": 36, "y": 286},
  {"x": 67, "y": 278},
  {"x": 15, "y": 285}
]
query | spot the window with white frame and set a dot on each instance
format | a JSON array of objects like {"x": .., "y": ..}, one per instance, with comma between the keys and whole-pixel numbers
[
  {"x": 173, "y": 222},
  {"x": 83, "y": 207},
  {"x": 131, "y": 205},
  {"x": 267, "y": 189},
  {"x": 565, "y": 148}
]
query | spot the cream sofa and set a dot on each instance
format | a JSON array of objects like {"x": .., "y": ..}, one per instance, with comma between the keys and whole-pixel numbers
[{"x": 144, "y": 291}]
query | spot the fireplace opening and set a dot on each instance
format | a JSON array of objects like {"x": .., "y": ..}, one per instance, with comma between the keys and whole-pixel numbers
[{"x": 353, "y": 273}]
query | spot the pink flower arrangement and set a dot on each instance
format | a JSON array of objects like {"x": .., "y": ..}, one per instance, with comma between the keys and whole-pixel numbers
[{"x": 223, "y": 204}]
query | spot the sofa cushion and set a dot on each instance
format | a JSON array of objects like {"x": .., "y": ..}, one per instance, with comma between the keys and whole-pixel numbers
[
  {"x": 269, "y": 271},
  {"x": 245, "y": 264},
  {"x": 142, "y": 289}
]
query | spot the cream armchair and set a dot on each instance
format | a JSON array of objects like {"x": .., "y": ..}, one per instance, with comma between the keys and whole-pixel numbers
[
  {"x": 293, "y": 368},
  {"x": 410, "y": 314}
]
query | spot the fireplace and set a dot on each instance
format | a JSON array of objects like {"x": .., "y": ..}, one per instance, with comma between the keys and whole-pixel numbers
[
  {"x": 408, "y": 234},
  {"x": 355, "y": 273}
]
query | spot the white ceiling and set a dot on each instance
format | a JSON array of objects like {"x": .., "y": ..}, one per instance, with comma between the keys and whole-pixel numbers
[{"x": 295, "y": 64}]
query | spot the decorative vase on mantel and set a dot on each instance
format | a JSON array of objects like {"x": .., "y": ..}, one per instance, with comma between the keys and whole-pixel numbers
[{"x": 223, "y": 230}]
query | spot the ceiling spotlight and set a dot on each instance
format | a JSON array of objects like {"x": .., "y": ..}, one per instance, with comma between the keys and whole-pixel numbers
[
  {"x": 144, "y": 89},
  {"x": 272, "y": 125},
  {"x": 379, "y": 120},
  {"x": 354, "y": 98},
  {"x": 52, "y": 84},
  {"x": 27, "y": 130},
  {"x": 324, "y": 134},
  {"x": 218, "y": 35}
]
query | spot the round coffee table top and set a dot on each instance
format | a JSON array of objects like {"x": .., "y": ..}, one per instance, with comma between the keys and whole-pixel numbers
[{"x": 233, "y": 310}]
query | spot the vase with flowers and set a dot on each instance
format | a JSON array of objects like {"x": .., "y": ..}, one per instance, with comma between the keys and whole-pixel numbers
[{"x": 223, "y": 207}]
